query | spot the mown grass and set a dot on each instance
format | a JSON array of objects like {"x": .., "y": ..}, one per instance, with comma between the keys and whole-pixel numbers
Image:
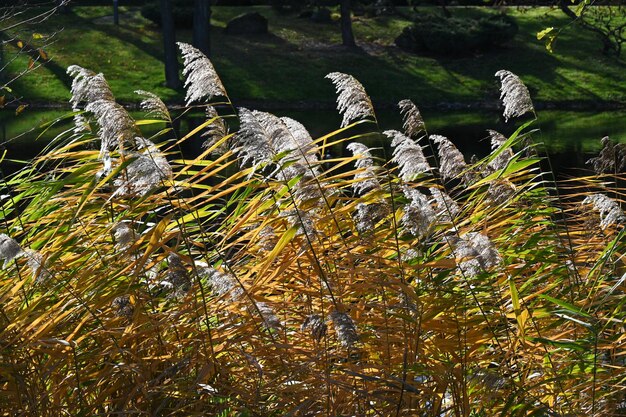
[{"x": 288, "y": 66}]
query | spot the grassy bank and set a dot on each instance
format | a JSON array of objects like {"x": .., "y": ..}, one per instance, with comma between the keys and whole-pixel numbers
[{"x": 289, "y": 64}]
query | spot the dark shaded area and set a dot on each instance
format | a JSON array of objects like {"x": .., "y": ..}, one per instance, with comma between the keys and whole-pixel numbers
[{"x": 436, "y": 35}]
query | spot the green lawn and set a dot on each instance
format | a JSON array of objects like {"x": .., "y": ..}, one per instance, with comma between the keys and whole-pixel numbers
[{"x": 289, "y": 65}]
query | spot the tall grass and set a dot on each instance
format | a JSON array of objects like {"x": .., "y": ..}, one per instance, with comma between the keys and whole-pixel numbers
[{"x": 259, "y": 279}]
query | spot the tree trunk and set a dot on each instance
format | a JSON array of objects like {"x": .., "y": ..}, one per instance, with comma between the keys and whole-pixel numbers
[
  {"x": 346, "y": 24},
  {"x": 201, "y": 25},
  {"x": 169, "y": 45},
  {"x": 116, "y": 13}
]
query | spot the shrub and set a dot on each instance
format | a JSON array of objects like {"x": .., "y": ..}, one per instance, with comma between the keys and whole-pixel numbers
[
  {"x": 182, "y": 12},
  {"x": 258, "y": 279},
  {"x": 438, "y": 35}
]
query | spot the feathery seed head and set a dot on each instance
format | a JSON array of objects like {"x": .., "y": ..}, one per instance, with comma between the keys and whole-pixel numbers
[
  {"x": 253, "y": 140},
  {"x": 124, "y": 236},
  {"x": 514, "y": 95},
  {"x": 116, "y": 125},
  {"x": 447, "y": 208},
  {"x": 87, "y": 86},
  {"x": 304, "y": 221},
  {"x": 202, "y": 81},
  {"x": 610, "y": 211},
  {"x": 270, "y": 319},
  {"x": 451, "y": 161},
  {"x": 177, "y": 277},
  {"x": 37, "y": 265},
  {"x": 500, "y": 191},
  {"x": 345, "y": 329},
  {"x": 222, "y": 284},
  {"x": 149, "y": 170},
  {"x": 267, "y": 238},
  {"x": 419, "y": 216},
  {"x": 408, "y": 155},
  {"x": 297, "y": 146},
  {"x": 503, "y": 158},
  {"x": 301, "y": 140},
  {"x": 352, "y": 100},
  {"x": 9, "y": 249},
  {"x": 315, "y": 325},
  {"x": 81, "y": 124},
  {"x": 366, "y": 180},
  {"x": 153, "y": 105},
  {"x": 413, "y": 121},
  {"x": 215, "y": 131},
  {"x": 475, "y": 253},
  {"x": 367, "y": 215},
  {"x": 612, "y": 158}
]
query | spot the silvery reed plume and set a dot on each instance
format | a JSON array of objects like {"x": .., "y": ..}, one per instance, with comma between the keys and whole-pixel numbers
[
  {"x": 352, "y": 100},
  {"x": 609, "y": 210},
  {"x": 153, "y": 106},
  {"x": 475, "y": 253},
  {"x": 451, "y": 161},
  {"x": 413, "y": 123},
  {"x": 419, "y": 216},
  {"x": 201, "y": 80},
  {"x": 367, "y": 180},
  {"x": 447, "y": 208},
  {"x": 514, "y": 95},
  {"x": 408, "y": 155}
]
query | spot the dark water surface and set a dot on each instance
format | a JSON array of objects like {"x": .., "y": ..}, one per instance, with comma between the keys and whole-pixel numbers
[{"x": 569, "y": 137}]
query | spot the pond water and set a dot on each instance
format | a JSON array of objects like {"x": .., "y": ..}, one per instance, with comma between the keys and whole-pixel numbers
[{"x": 569, "y": 137}]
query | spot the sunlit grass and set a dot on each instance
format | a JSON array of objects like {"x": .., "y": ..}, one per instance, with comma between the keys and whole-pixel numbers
[{"x": 303, "y": 52}]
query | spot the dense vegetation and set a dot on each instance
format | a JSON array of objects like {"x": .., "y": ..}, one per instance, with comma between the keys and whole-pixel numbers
[{"x": 259, "y": 278}]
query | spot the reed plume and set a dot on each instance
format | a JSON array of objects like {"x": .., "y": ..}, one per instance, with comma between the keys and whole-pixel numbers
[
  {"x": 447, "y": 208},
  {"x": 451, "y": 161},
  {"x": 116, "y": 125},
  {"x": 147, "y": 171},
  {"x": 9, "y": 249},
  {"x": 504, "y": 155},
  {"x": 419, "y": 216},
  {"x": 475, "y": 253},
  {"x": 87, "y": 87},
  {"x": 366, "y": 180},
  {"x": 315, "y": 325},
  {"x": 514, "y": 95},
  {"x": 612, "y": 158},
  {"x": 413, "y": 123},
  {"x": 154, "y": 106},
  {"x": 201, "y": 79},
  {"x": 408, "y": 155},
  {"x": 609, "y": 210},
  {"x": 352, "y": 100},
  {"x": 345, "y": 329}
]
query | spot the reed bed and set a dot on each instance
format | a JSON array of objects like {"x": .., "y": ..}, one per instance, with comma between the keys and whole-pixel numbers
[{"x": 260, "y": 278}]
